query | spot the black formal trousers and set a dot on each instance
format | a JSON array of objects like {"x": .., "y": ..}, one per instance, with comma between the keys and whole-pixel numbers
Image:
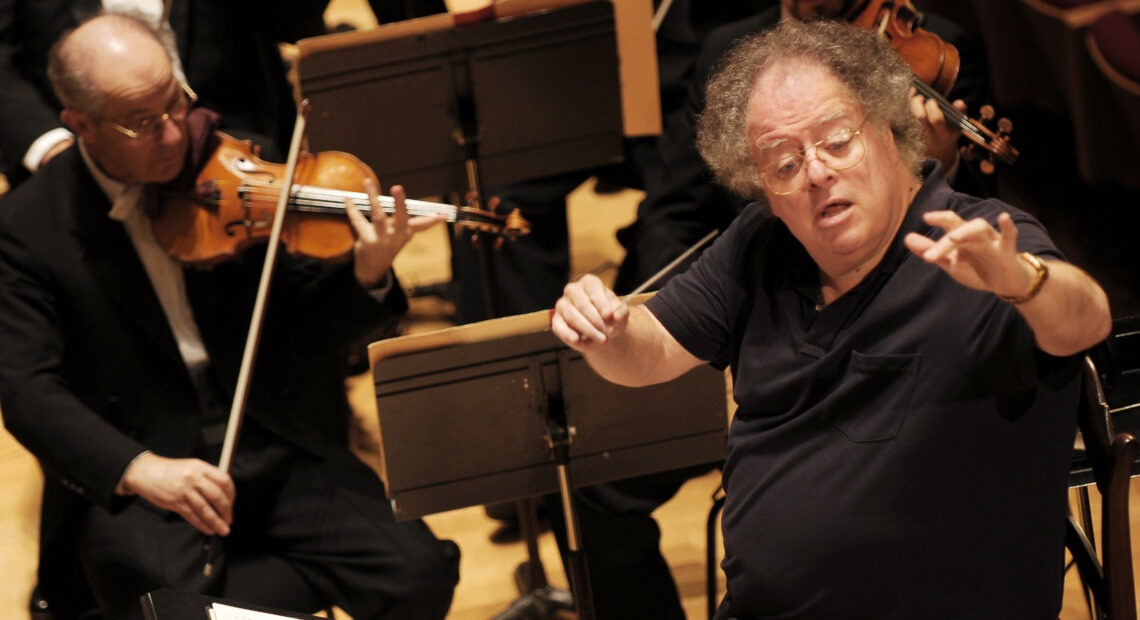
[{"x": 307, "y": 533}]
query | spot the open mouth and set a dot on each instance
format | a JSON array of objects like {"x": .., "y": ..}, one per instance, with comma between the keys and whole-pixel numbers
[{"x": 834, "y": 209}]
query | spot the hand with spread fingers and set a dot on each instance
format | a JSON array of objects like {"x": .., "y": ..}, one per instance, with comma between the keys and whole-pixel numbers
[
  {"x": 588, "y": 314},
  {"x": 379, "y": 241},
  {"x": 975, "y": 253}
]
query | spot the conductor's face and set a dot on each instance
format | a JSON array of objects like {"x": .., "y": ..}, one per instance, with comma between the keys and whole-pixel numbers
[{"x": 830, "y": 174}]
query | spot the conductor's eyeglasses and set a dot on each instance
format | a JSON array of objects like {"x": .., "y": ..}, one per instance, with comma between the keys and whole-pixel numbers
[
  {"x": 785, "y": 172},
  {"x": 152, "y": 125}
]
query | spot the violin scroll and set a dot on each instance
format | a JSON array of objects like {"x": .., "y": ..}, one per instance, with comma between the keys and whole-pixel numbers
[
  {"x": 487, "y": 219},
  {"x": 994, "y": 140},
  {"x": 515, "y": 225}
]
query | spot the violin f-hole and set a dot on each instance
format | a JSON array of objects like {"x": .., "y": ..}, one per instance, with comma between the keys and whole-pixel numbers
[
  {"x": 249, "y": 167},
  {"x": 248, "y": 225}
]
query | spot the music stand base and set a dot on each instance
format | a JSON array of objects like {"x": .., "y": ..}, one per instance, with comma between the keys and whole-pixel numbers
[{"x": 540, "y": 604}]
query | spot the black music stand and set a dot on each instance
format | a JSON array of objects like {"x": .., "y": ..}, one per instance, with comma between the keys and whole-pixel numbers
[
  {"x": 420, "y": 102},
  {"x": 501, "y": 410}
]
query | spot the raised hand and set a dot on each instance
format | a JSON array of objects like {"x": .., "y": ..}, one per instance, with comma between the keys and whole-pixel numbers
[{"x": 975, "y": 253}]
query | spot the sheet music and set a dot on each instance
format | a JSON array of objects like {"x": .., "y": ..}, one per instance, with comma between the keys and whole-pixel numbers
[{"x": 220, "y": 611}]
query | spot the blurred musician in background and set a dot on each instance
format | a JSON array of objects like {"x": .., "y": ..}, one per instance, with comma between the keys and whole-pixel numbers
[{"x": 532, "y": 269}]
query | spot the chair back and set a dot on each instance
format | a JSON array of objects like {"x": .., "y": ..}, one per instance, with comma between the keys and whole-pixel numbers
[{"x": 1110, "y": 376}]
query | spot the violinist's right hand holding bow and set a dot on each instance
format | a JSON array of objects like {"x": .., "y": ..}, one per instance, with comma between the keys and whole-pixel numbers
[{"x": 200, "y": 492}]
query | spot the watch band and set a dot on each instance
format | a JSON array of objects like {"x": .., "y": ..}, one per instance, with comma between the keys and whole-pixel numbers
[{"x": 1038, "y": 280}]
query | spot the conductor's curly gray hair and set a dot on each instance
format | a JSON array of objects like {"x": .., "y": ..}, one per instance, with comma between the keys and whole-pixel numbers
[{"x": 874, "y": 74}]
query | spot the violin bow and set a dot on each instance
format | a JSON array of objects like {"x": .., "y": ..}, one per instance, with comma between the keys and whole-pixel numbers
[
  {"x": 670, "y": 267},
  {"x": 253, "y": 337}
]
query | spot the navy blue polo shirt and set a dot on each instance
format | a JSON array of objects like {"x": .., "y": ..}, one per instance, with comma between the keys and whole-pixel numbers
[{"x": 899, "y": 453}]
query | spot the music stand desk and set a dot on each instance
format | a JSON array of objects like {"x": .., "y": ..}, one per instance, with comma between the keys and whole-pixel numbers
[
  {"x": 525, "y": 97},
  {"x": 470, "y": 415}
]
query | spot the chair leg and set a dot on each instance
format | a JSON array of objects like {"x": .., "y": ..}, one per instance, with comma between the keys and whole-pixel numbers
[
  {"x": 1088, "y": 566},
  {"x": 1084, "y": 509},
  {"x": 710, "y": 551},
  {"x": 1115, "y": 524}
]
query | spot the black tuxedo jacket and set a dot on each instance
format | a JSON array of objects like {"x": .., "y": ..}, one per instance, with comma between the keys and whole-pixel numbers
[
  {"x": 228, "y": 50},
  {"x": 90, "y": 373}
]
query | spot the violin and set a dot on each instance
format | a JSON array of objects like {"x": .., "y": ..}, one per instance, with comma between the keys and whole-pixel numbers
[
  {"x": 935, "y": 64},
  {"x": 234, "y": 198}
]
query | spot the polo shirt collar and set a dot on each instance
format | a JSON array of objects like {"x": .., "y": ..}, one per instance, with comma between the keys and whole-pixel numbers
[
  {"x": 803, "y": 274},
  {"x": 932, "y": 195}
]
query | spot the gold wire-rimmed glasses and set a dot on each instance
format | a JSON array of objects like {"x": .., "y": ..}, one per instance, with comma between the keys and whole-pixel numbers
[
  {"x": 152, "y": 126},
  {"x": 784, "y": 173}
]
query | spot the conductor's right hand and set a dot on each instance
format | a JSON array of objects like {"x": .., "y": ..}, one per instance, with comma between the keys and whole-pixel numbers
[
  {"x": 588, "y": 315},
  {"x": 200, "y": 492}
]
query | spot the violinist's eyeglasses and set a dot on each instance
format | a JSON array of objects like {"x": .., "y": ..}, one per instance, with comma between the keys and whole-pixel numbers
[
  {"x": 152, "y": 126},
  {"x": 783, "y": 173}
]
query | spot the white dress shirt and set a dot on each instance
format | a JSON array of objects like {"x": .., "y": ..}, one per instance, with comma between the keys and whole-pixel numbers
[{"x": 164, "y": 272}]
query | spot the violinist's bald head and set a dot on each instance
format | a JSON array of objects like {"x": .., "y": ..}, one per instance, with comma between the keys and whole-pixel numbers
[
  {"x": 122, "y": 98},
  {"x": 112, "y": 52}
]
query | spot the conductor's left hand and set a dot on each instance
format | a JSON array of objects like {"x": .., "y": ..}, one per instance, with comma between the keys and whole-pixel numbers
[{"x": 974, "y": 253}]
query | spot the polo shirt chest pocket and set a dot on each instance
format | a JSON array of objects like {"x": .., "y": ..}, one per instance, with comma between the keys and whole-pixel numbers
[{"x": 872, "y": 401}]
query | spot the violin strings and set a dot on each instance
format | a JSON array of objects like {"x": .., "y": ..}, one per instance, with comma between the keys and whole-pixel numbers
[
  {"x": 320, "y": 198},
  {"x": 980, "y": 134},
  {"x": 949, "y": 110},
  {"x": 311, "y": 199}
]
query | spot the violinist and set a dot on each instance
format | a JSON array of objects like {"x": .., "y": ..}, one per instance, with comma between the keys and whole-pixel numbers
[
  {"x": 119, "y": 367},
  {"x": 905, "y": 357}
]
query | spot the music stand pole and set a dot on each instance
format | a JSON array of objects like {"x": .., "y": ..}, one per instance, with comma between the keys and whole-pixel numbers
[
  {"x": 560, "y": 440},
  {"x": 539, "y": 600}
]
